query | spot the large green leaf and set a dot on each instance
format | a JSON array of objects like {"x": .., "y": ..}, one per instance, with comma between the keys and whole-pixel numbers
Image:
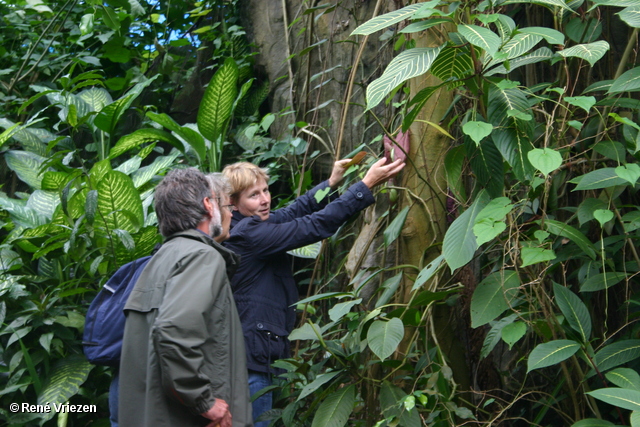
[
  {"x": 190, "y": 136},
  {"x": 535, "y": 255},
  {"x": 410, "y": 63},
  {"x": 564, "y": 230},
  {"x": 95, "y": 98},
  {"x": 119, "y": 203},
  {"x": 629, "y": 81},
  {"x": 493, "y": 296},
  {"x": 590, "y": 52},
  {"x": 519, "y": 45},
  {"x": 67, "y": 375},
  {"x": 597, "y": 179},
  {"x": 217, "y": 103},
  {"x": 318, "y": 382},
  {"x": 386, "y": 20},
  {"x": 546, "y": 160},
  {"x": 459, "y": 243},
  {"x": 336, "y": 408},
  {"x": 44, "y": 202},
  {"x": 602, "y": 281},
  {"x": 417, "y": 102},
  {"x": 143, "y": 136},
  {"x": 27, "y": 166},
  {"x": 551, "y": 353},
  {"x": 384, "y": 336},
  {"x": 620, "y": 397},
  {"x": 504, "y": 99},
  {"x": 550, "y": 3},
  {"x": 427, "y": 272},
  {"x": 394, "y": 229},
  {"x": 631, "y": 16},
  {"x": 542, "y": 54},
  {"x": 453, "y": 64},
  {"x": 147, "y": 173},
  {"x": 624, "y": 378},
  {"x": 110, "y": 115},
  {"x": 616, "y": 354},
  {"x": 574, "y": 311},
  {"x": 481, "y": 37},
  {"x": 552, "y": 36},
  {"x": 514, "y": 144},
  {"x": 490, "y": 222},
  {"x": 506, "y": 26},
  {"x": 495, "y": 334},
  {"x": 487, "y": 164},
  {"x": 454, "y": 161},
  {"x": 391, "y": 397},
  {"x": 592, "y": 422}
]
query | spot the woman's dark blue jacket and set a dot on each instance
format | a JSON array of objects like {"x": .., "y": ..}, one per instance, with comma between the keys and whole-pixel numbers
[{"x": 263, "y": 286}]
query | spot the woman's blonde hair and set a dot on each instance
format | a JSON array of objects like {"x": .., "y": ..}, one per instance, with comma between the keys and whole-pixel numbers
[{"x": 243, "y": 175}]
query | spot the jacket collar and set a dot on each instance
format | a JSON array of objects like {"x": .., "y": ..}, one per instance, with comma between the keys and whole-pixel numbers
[{"x": 232, "y": 260}]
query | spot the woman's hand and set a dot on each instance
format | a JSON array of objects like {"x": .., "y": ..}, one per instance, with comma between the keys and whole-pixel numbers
[{"x": 380, "y": 172}]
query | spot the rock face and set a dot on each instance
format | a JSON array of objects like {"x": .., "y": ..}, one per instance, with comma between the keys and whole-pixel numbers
[{"x": 309, "y": 66}]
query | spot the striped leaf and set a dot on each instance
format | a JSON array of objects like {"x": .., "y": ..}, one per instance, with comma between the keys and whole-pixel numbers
[
  {"x": 551, "y": 353},
  {"x": 549, "y": 3},
  {"x": 631, "y": 15},
  {"x": 408, "y": 64},
  {"x": 514, "y": 145},
  {"x": 143, "y": 136},
  {"x": 506, "y": 26},
  {"x": 629, "y": 81},
  {"x": 590, "y": 52},
  {"x": 615, "y": 3},
  {"x": 452, "y": 64},
  {"x": 549, "y": 34},
  {"x": 383, "y": 21},
  {"x": 146, "y": 173},
  {"x": 520, "y": 44},
  {"x": 574, "y": 311},
  {"x": 336, "y": 408},
  {"x": 542, "y": 54},
  {"x": 67, "y": 375},
  {"x": 310, "y": 251},
  {"x": 44, "y": 202},
  {"x": 503, "y": 100},
  {"x": 26, "y": 165},
  {"x": 217, "y": 103},
  {"x": 481, "y": 37},
  {"x": 616, "y": 354},
  {"x": 119, "y": 204},
  {"x": 486, "y": 163}
]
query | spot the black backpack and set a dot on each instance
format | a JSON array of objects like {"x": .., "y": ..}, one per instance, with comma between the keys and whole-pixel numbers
[{"x": 104, "y": 325}]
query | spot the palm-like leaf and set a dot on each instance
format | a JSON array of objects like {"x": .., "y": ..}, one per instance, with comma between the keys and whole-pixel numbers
[{"x": 410, "y": 63}]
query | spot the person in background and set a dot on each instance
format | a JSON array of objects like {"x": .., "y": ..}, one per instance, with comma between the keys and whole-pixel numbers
[
  {"x": 263, "y": 286},
  {"x": 183, "y": 356}
]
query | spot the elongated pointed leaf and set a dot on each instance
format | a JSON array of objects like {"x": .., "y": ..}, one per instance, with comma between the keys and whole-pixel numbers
[
  {"x": 217, "y": 103},
  {"x": 384, "y": 336},
  {"x": 590, "y": 52},
  {"x": 629, "y": 81},
  {"x": 617, "y": 354},
  {"x": 495, "y": 334},
  {"x": 620, "y": 397},
  {"x": 427, "y": 272},
  {"x": 95, "y": 98},
  {"x": 564, "y": 230},
  {"x": 336, "y": 408},
  {"x": 453, "y": 65},
  {"x": 550, "y": 3},
  {"x": 190, "y": 136},
  {"x": 520, "y": 44},
  {"x": 597, "y": 179},
  {"x": 592, "y": 422},
  {"x": 143, "y": 136},
  {"x": 481, "y": 37},
  {"x": 67, "y": 375},
  {"x": 493, "y": 296},
  {"x": 159, "y": 165},
  {"x": 320, "y": 380},
  {"x": 408, "y": 64},
  {"x": 459, "y": 243},
  {"x": 383, "y": 21},
  {"x": 542, "y": 54},
  {"x": 394, "y": 229},
  {"x": 551, "y": 353},
  {"x": 549, "y": 34},
  {"x": 44, "y": 202},
  {"x": 514, "y": 145},
  {"x": 624, "y": 378},
  {"x": 574, "y": 311},
  {"x": 602, "y": 281}
]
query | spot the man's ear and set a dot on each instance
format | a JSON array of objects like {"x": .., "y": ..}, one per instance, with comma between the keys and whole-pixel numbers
[{"x": 208, "y": 205}]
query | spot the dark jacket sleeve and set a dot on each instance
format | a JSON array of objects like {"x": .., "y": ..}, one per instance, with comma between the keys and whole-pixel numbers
[
  {"x": 269, "y": 237},
  {"x": 180, "y": 329},
  {"x": 304, "y": 205}
]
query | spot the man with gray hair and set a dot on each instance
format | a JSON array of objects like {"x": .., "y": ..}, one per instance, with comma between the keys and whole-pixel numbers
[{"x": 183, "y": 357}]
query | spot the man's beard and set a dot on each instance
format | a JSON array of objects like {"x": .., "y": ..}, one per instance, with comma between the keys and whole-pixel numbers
[{"x": 215, "y": 226}]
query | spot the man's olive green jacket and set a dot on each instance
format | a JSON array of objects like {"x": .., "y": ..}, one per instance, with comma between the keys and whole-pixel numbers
[{"x": 183, "y": 345}]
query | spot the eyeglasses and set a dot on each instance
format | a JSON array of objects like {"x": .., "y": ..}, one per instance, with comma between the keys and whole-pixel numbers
[{"x": 230, "y": 207}]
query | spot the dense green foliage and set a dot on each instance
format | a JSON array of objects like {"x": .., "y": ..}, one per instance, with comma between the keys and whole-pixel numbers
[{"x": 98, "y": 102}]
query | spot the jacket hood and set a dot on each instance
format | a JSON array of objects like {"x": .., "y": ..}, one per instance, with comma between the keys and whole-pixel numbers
[{"x": 232, "y": 260}]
